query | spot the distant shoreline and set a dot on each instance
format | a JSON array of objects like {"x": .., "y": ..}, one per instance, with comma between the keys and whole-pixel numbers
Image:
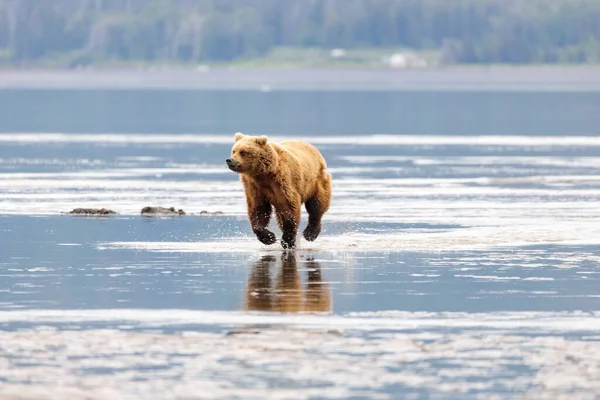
[{"x": 509, "y": 78}]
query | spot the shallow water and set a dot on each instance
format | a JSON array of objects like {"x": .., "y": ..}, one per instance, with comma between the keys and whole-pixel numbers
[{"x": 450, "y": 266}]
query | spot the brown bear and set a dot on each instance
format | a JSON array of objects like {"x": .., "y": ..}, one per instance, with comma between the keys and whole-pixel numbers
[{"x": 283, "y": 175}]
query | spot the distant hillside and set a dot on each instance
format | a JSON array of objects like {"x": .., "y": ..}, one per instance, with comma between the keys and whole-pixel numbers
[{"x": 79, "y": 32}]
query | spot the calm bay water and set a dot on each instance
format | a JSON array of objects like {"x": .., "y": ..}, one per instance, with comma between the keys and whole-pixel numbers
[
  {"x": 459, "y": 259},
  {"x": 313, "y": 113}
]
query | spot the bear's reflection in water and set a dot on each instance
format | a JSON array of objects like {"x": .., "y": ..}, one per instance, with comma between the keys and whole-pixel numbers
[{"x": 284, "y": 292}]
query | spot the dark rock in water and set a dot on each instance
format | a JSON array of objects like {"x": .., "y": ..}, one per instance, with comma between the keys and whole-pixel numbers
[
  {"x": 92, "y": 211},
  {"x": 204, "y": 212},
  {"x": 162, "y": 211},
  {"x": 242, "y": 332}
]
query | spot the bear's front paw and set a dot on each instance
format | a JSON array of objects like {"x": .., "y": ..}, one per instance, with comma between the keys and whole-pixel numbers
[
  {"x": 265, "y": 236},
  {"x": 311, "y": 232}
]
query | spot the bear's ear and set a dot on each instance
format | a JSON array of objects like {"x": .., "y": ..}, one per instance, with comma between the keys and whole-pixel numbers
[
  {"x": 261, "y": 140},
  {"x": 238, "y": 136}
]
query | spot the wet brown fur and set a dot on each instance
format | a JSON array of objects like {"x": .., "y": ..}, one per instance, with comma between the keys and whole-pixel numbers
[{"x": 282, "y": 175}]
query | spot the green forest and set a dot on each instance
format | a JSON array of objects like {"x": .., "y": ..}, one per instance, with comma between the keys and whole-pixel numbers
[{"x": 72, "y": 33}]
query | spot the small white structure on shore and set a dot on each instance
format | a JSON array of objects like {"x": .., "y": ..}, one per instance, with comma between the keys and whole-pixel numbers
[
  {"x": 406, "y": 60},
  {"x": 338, "y": 53}
]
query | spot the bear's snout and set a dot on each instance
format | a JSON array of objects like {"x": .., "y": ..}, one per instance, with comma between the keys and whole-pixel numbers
[{"x": 232, "y": 164}]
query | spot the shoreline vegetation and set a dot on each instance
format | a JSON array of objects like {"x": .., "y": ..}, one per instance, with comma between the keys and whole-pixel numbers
[{"x": 300, "y": 33}]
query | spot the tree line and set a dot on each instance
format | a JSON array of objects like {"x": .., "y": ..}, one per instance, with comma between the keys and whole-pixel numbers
[{"x": 78, "y": 32}]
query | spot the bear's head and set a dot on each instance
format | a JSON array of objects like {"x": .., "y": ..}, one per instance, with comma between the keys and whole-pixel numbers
[{"x": 252, "y": 155}]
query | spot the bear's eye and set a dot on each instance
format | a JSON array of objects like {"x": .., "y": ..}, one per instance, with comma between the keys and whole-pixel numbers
[{"x": 242, "y": 153}]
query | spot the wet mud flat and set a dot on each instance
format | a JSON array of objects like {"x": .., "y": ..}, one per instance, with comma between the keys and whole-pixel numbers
[
  {"x": 448, "y": 267},
  {"x": 132, "y": 307},
  {"x": 127, "y": 354}
]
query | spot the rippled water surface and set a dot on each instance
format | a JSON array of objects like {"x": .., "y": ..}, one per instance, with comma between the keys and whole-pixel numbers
[{"x": 449, "y": 266}]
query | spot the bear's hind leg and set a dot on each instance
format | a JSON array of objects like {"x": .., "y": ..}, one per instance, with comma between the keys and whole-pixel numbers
[
  {"x": 315, "y": 213},
  {"x": 260, "y": 215},
  {"x": 316, "y": 206}
]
